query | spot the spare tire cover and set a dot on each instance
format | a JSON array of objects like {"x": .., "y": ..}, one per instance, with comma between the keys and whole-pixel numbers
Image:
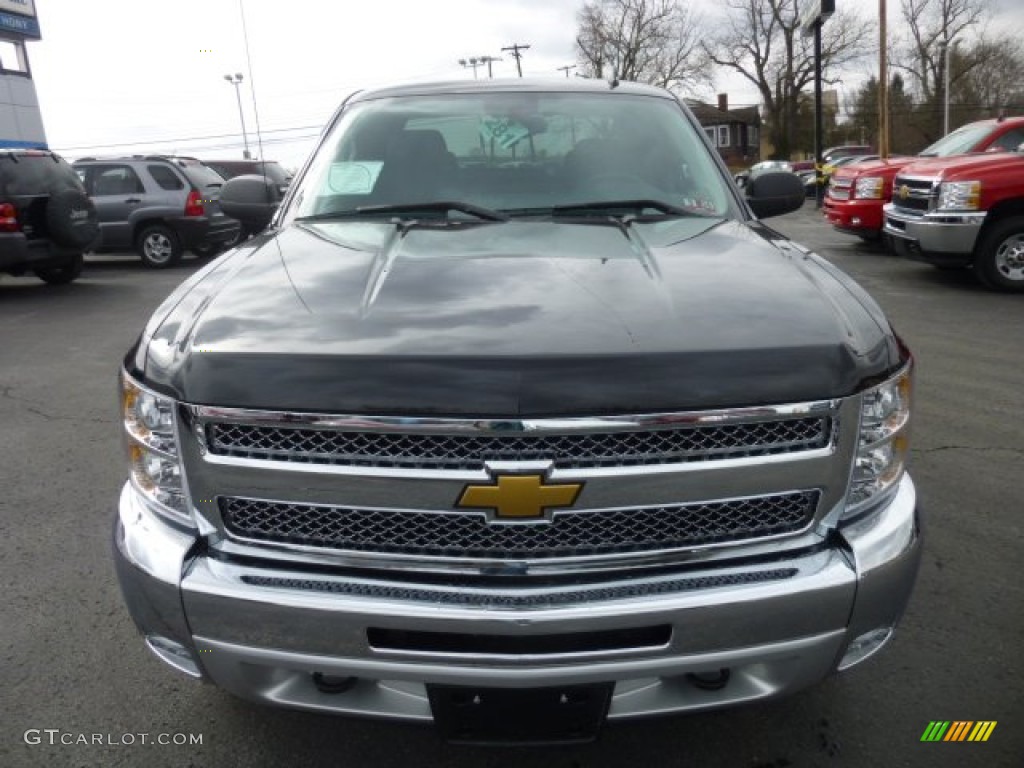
[{"x": 71, "y": 218}]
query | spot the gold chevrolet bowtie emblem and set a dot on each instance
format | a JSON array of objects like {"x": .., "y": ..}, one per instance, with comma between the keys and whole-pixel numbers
[
  {"x": 904, "y": 191},
  {"x": 519, "y": 497}
]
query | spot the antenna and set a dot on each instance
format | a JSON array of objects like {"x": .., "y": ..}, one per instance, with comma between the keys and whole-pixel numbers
[{"x": 252, "y": 90}]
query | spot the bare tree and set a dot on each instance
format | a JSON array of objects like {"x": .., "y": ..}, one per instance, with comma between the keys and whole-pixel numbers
[
  {"x": 985, "y": 72},
  {"x": 930, "y": 26},
  {"x": 987, "y": 78},
  {"x": 650, "y": 41},
  {"x": 761, "y": 40}
]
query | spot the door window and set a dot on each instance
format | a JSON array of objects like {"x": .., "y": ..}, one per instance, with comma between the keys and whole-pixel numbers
[
  {"x": 165, "y": 177},
  {"x": 115, "y": 180}
]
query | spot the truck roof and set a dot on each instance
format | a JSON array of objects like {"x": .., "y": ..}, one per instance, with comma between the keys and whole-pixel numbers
[{"x": 547, "y": 85}]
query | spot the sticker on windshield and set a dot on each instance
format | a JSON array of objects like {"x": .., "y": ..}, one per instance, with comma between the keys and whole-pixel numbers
[
  {"x": 353, "y": 177},
  {"x": 504, "y": 132}
]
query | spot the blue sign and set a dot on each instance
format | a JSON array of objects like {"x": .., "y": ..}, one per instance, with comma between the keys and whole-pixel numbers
[
  {"x": 17, "y": 144},
  {"x": 19, "y": 25}
]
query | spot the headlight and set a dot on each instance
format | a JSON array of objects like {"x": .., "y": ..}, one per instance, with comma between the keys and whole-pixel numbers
[
  {"x": 870, "y": 187},
  {"x": 959, "y": 196},
  {"x": 150, "y": 424},
  {"x": 883, "y": 444}
]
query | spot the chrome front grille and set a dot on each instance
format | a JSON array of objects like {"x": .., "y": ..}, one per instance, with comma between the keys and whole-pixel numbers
[
  {"x": 912, "y": 194},
  {"x": 382, "y": 493},
  {"x": 567, "y": 451},
  {"x": 570, "y": 534}
]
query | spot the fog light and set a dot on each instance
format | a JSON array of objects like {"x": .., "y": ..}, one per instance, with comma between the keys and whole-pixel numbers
[
  {"x": 333, "y": 683},
  {"x": 174, "y": 653},
  {"x": 865, "y": 646},
  {"x": 855, "y": 221}
]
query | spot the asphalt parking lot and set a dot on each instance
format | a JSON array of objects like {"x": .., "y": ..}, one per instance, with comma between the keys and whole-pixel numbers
[{"x": 72, "y": 663}]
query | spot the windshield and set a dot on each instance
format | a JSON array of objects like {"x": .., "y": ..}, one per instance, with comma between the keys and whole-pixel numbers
[
  {"x": 201, "y": 175},
  {"x": 959, "y": 142},
  {"x": 36, "y": 173},
  {"x": 521, "y": 154}
]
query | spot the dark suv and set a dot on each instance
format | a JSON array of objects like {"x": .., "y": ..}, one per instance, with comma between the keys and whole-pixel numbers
[
  {"x": 46, "y": 219},
  {"x": 159, "y": 206}
]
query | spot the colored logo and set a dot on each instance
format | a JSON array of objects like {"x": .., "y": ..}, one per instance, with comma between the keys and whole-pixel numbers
[
  {"x": 904, "y": 192},
  {"x": 958, "y": 730},
  {"x": 520, "y": 497}
]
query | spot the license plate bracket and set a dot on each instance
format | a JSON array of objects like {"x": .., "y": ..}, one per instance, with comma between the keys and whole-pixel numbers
[{"x": 551, "y": 715}]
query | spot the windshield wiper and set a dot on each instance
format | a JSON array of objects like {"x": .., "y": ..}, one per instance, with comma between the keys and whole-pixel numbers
[
  {"x": 604, "y": 206},
  {"x": 486, "y": 214}
]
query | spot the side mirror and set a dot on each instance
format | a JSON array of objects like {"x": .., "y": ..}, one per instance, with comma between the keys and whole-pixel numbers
[
  {"x": 250, "y": 199},
  {"x": 774, "y": 193}
]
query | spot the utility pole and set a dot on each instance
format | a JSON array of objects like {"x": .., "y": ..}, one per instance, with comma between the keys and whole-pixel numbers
[
  {"x": 473, "y": 62},
  {"x": 488, "y": 60},
  {"x": 566, "y": 68},
  {"x": 515, "y": 48}
]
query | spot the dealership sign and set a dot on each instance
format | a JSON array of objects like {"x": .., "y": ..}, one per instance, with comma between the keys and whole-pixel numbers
[
  {"x": 21, "y": 7},
  {"x": 18, "y": 17},
  {"x": 18, "y": 25},
  {"x": 813, "y": 13}
]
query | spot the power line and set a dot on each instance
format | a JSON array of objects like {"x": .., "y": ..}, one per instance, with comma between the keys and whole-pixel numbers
[
  {"x": 178, "y": 139},
  {"x": 515, "y": 48}
]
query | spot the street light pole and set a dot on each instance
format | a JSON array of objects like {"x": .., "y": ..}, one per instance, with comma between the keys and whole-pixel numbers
[
  {"x": 946, "y": 47},
  {"x": 236, "y": 80}
]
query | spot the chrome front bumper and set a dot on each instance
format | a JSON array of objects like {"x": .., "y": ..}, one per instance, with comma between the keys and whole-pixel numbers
[
  {"x": 940, "y": 234},
  {"x": 262, "y": 630}
]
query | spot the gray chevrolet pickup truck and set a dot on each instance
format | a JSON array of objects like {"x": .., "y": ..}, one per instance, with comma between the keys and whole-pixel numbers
[{"x": 516, "y": 418}]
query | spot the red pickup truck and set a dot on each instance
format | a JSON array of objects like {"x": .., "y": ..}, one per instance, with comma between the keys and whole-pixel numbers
[
  {"x": 963, "y": 211},
  {"x": 856, "y": 193}
]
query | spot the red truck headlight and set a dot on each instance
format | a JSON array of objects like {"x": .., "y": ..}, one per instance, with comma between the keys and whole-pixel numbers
[
  {"x": 959, "y": 196},
  {"x": 870, "y": 188}
]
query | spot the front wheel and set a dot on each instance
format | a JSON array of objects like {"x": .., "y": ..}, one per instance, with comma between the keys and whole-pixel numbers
[
  {"x": 63, "y": 274},
  {"x": 158, "y": 246},
  {"x": 999, "y": 259}
]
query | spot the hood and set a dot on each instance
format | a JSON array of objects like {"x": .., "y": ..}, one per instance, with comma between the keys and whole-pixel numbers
[
  {"x": 516, "y": 319},
  {"x": 947, "y": 167},
  {"x": 887, "y": 167}
]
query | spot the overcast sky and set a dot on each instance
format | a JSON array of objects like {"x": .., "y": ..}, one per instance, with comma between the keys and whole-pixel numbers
[{"x": 112, "y": 74}]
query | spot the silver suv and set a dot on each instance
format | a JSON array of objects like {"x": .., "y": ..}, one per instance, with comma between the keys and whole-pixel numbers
[{"x": 157, "y": 205}]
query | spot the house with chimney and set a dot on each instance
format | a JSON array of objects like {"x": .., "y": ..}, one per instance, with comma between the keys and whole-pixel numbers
[{"x": 735, "y": 133}]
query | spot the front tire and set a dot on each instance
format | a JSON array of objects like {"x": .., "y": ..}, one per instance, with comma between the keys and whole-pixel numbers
[
  {"x": 158, "y": 246},
  {"x": 63, "y": 274},
  {"x": 999, "y": 258}
]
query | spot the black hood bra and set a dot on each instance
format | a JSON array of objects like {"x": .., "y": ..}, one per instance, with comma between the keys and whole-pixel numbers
[{"x": 517, "y": 318}]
